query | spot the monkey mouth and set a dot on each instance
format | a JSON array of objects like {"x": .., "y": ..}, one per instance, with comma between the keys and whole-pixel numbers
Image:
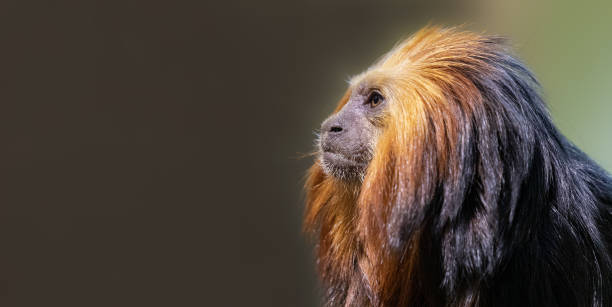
[
  {"x": 338, "y": 158},
  {"x": 339, "y": 165}
]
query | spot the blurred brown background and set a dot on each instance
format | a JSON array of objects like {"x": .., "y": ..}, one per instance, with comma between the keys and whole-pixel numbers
[{"x": 151, "y": 150}]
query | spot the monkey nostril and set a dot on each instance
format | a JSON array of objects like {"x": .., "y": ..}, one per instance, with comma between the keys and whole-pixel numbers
[{"x": 335, "y": 129}]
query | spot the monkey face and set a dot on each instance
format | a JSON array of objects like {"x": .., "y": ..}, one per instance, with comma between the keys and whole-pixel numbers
[{"x": 349, "y": 136}]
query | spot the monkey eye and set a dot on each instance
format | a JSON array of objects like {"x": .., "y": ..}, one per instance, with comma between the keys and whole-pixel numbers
[{"x": 375, "y": 99}]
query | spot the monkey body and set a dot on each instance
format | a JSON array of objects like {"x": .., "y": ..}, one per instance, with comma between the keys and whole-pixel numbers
[{"x": 442, "y": 181}]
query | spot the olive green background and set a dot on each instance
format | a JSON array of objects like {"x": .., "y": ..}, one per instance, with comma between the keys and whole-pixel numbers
[{"x": 153, "y": 152}]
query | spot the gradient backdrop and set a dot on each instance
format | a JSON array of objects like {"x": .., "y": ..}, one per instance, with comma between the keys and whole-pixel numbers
[{"x": 151, "y": 150}]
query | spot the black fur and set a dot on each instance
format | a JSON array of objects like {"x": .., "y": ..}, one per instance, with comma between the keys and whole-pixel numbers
[{"x": 529, "y": 223}]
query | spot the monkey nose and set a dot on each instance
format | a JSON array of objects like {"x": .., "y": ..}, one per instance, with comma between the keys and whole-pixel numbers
[
  {"x": 332, "y": 126},
  {"x": 335, "y": 129}
]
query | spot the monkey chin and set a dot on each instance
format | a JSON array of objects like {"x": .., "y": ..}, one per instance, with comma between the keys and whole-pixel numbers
[{"x": 342, "y": 167}]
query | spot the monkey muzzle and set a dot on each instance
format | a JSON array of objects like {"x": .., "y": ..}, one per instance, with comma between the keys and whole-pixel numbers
[{"x": 343, "y": 146}]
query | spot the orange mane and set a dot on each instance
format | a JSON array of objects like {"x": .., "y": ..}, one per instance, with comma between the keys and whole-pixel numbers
[{"x": 431, "y": 105}]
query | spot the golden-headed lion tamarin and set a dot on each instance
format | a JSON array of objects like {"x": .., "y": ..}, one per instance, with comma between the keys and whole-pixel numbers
[{"x": 442, "y": 181}]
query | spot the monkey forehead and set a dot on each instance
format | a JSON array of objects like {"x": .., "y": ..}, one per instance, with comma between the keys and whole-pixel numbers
[
  {"x": 396, "y": 65},
  {"x": 362, "y": 83},
  {"x": 365, "y": 80},
  {"x": 379, "y": 78}
]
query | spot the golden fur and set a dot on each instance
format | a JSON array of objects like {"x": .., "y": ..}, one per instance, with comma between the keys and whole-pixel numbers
[{"x": 358, "y": 224}]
